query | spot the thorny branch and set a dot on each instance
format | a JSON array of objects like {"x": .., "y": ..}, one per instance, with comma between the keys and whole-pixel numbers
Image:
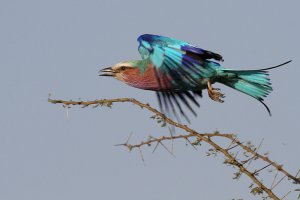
[{"x": 206, "y": 137}]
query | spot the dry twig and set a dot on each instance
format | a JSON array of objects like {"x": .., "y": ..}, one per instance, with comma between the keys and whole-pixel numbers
[{"x": 206, "y": 137}]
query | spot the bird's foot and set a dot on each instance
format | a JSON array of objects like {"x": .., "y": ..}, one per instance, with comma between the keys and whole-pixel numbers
[{"x": 214, "y": 94}]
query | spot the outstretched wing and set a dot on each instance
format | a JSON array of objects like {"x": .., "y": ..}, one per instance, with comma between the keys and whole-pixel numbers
[{"x": 184, "y": 65}]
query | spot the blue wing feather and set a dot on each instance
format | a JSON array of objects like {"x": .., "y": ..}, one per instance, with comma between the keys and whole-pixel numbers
[
  {"x": 184, "y": 63},
  {"x": 149, "y": 40}
]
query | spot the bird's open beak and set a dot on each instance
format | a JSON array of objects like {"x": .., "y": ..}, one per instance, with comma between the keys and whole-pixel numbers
[{"x": 106, "y": 72}]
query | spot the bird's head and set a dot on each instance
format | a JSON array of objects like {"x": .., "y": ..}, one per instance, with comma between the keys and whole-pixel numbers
[
  {"x": 121, "y": 71},
  {"x": 136, "y": 73}
]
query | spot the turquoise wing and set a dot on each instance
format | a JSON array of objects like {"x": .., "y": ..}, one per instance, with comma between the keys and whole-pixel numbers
[{"x": 184, "y": 64}]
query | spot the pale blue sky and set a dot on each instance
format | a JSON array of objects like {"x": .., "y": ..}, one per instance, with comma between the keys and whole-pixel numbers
[{"x": 58, "y": 47}]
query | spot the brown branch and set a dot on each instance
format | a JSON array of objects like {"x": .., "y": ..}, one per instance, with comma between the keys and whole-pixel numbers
[
  {"x": 206, "y": 137},
  {"x": 266, "y": 159}
]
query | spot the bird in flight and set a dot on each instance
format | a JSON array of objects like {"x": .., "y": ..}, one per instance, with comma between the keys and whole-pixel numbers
[{"x": 178, "y": 72}]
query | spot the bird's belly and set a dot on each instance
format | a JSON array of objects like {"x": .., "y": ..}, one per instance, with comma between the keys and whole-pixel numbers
[
  {"x": 166, "y": 85},
  {"x": 149, "y": 80},
  {"x": 150, "y": 84}
]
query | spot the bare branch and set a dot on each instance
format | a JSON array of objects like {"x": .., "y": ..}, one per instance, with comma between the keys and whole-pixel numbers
[{"x": 190, "y": 133}]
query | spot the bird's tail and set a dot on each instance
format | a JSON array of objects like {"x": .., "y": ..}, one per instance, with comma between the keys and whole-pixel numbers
[{"x": 255, "y": 83}]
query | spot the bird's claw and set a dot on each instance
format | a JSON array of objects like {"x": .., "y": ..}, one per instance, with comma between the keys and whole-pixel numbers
[{"x": 215, "y": 95}]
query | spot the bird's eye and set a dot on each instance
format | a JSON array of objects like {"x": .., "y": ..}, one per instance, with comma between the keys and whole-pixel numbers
[{"x": 122, "y": 68}]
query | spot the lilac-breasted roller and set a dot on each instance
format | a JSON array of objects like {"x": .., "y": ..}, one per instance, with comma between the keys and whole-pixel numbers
[{"x": 178, "y": 72}]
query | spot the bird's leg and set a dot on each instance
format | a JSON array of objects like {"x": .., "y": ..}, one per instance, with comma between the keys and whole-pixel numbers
[{"x": 214, "y": 94}]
